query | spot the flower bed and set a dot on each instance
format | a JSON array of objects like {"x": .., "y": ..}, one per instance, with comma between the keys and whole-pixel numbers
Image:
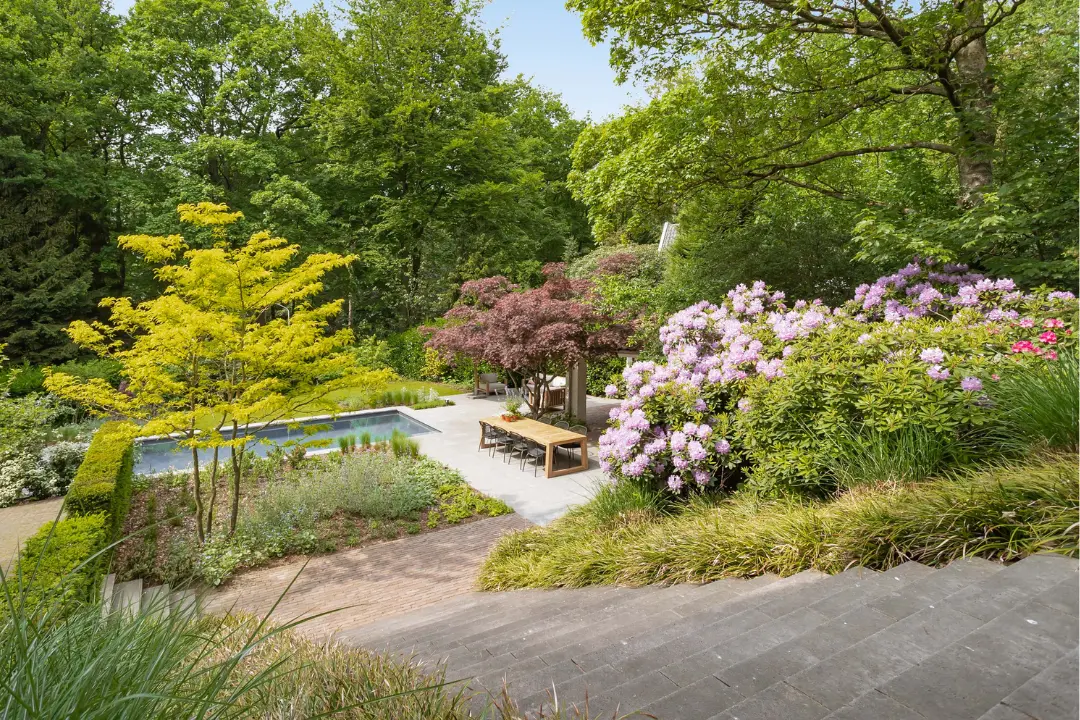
[{"x": 328, "y": 503}]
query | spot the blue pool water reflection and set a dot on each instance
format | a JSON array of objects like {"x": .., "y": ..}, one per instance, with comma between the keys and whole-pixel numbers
[{"x": 155, "y": 456}]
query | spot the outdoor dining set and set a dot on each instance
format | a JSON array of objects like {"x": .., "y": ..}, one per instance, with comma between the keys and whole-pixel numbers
[{"x": 528, "y": 441}]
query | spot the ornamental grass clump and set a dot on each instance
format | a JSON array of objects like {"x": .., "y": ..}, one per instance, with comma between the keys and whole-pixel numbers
[
  {"x": 1001, "y": 513},
  {"x": 159, "y": 665},
  {"x": 760, "y": 392}
]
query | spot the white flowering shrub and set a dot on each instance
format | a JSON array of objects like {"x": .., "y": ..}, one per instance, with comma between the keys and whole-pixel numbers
[
  {"x": 23, "y": 475},
  {"x": 64, "y": 459},
  {"x": 756, "y": 388}
]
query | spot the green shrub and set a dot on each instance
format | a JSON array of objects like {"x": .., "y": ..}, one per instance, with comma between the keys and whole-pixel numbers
[
  {"x": 1041, "y": 402},
  {"x": 26, "y": 380},
  {"x": 95, "y": 368},
  {"x": 90, "y": 498},
  {"x": 1001, "y": 513},
  {"x": 836, "y": 386},
  {"x": 58, "y": 564},
  {"x": 109, "y": 461}
]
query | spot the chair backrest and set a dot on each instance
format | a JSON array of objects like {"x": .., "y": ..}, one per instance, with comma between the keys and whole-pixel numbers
[
  {"x": 580, "y": 429},
  {"x": 562, "y": 424},
  {"x": 488, "y": 377}
]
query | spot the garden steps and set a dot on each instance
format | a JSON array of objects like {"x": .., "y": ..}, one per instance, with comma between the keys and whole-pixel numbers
[
  {"x": 973, "y": 639},
  {"x": 131, "y": 598}
]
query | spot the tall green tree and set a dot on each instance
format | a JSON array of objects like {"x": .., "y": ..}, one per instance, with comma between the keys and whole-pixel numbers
[
  {"x": 435, "y": 169},
  {"x": 910, "y": 113},
  {"x": 64, "y": 131}
]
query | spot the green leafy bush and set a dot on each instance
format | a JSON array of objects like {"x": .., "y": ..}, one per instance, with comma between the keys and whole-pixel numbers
[
  {"x": 90, "y": 498},
  {"x": 26, "y": 380},
  {"x": 101, "y": 368},
  {"x": 106, "y": 474},
  {"x": 1000, "y": 513},
  {"x": 790, "y": 426},
  {"x": 58, "y": 564}
]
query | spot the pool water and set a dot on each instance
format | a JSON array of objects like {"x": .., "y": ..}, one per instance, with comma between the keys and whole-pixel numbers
[{"x": 155, "y": 456}]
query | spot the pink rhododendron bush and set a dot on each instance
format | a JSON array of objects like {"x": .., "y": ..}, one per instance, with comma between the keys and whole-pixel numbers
[{"x": 758, "y": 388}]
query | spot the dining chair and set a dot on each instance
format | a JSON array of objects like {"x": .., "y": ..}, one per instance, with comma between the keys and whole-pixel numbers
[{"x": 537, "y": 453}]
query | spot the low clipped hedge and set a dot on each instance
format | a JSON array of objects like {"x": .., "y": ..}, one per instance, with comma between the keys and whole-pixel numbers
[
  {"x": 103, "y": 481},
  {"x": 58, "y": 563},
  {"x": 64, "y": 561}
]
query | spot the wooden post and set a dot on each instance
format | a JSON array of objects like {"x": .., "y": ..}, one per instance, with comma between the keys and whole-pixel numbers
[{"x": 575, "y": 390}]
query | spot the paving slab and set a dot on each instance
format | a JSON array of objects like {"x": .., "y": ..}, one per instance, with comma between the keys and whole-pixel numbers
[{"x": 535, "y": 497}]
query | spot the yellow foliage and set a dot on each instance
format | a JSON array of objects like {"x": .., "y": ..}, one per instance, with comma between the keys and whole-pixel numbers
[
  {"x": 154, "y": 249},
  {"x": 207, "y": 214}
]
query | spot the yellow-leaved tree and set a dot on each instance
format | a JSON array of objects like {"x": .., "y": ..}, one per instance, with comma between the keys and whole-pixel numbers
[{"x": 236, "y": 339}]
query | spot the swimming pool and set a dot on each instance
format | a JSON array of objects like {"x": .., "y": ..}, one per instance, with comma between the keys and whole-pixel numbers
[{"x": 157, "y": 455}]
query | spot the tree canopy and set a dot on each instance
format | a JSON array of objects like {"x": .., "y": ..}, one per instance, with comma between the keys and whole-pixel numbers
[
  {"x": 920, "y": 117},
  {"x": 385, "y": 130}
]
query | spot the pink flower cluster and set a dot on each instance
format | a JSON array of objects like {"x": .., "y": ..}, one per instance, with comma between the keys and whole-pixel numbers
[
  {"x": 710, "y": 350},
  {"x": 1046, "y": 341}
]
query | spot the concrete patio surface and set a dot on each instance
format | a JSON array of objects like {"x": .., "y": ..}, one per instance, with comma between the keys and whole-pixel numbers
[{"x": 537, "y": 498}]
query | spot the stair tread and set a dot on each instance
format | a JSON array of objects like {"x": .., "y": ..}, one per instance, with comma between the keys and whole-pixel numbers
[{"x": 852, "y": 645}]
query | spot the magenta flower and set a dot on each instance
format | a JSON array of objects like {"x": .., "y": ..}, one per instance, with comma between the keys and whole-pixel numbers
[
  {"x": 1052, "y": 323},
  {"x": 1049, "y": 337}
]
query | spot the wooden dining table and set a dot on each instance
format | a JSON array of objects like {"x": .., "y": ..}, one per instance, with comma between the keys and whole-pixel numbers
[{"x": 549, "y": 436}]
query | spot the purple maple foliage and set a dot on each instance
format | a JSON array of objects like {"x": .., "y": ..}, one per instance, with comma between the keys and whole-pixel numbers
[{"x": 536, "y": 333}]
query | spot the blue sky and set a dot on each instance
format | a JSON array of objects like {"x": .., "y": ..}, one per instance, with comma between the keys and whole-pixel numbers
[{"x": 542, "y": 40}]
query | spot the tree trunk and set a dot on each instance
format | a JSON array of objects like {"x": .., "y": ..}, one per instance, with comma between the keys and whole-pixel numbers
[
  {"x": 237, "y": 468},
  {"x": 213, "y": 496},
  {"x": 198, "y": 492},
  {"x": 975, "y": 90}
]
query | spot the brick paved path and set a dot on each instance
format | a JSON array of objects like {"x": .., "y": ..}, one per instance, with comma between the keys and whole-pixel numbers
[
  {"x": 370, "y": 582},
  {"x": 19, "y": 522}
]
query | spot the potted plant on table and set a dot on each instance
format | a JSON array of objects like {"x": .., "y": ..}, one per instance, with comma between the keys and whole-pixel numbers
[{"x": 513, "y": 408}]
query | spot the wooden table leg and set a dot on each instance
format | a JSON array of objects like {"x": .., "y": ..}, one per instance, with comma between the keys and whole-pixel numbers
[
  {"x": 549, "y": 452},
  {"x": 583, "y": 444}
]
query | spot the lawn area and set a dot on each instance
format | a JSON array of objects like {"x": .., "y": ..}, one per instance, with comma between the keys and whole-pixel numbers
[{"x": 442, "y": 389}]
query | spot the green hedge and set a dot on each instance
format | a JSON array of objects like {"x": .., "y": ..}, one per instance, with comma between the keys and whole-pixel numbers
[
  {"x": 103, "y": 481},
  {"x": 49, "y": 569}
]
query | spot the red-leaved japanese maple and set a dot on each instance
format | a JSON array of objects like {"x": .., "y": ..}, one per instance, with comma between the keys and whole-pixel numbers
[{"x": 535, "y": 333}]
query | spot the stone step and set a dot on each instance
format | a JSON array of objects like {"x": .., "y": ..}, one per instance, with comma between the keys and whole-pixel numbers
[
  {"x": 494, "y": 612},
  {"x": 183, "y": 602},
  {"x": 520, "y": 633},
  {"x": 107, "y": 588},
  {"x": 937, "y": 624},
  {"x": 155, "y": 601},
  {"x": 588, "y": 660},
  {"x": 127, "y": 597},
  {"x": 739, "y": 655},
  {"x": 435, "y": 618},
  {"x": 974, "y": 639}
]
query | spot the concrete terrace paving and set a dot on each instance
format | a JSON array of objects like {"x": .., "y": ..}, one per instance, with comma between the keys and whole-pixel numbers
[{"x": 538, "y": 499}]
